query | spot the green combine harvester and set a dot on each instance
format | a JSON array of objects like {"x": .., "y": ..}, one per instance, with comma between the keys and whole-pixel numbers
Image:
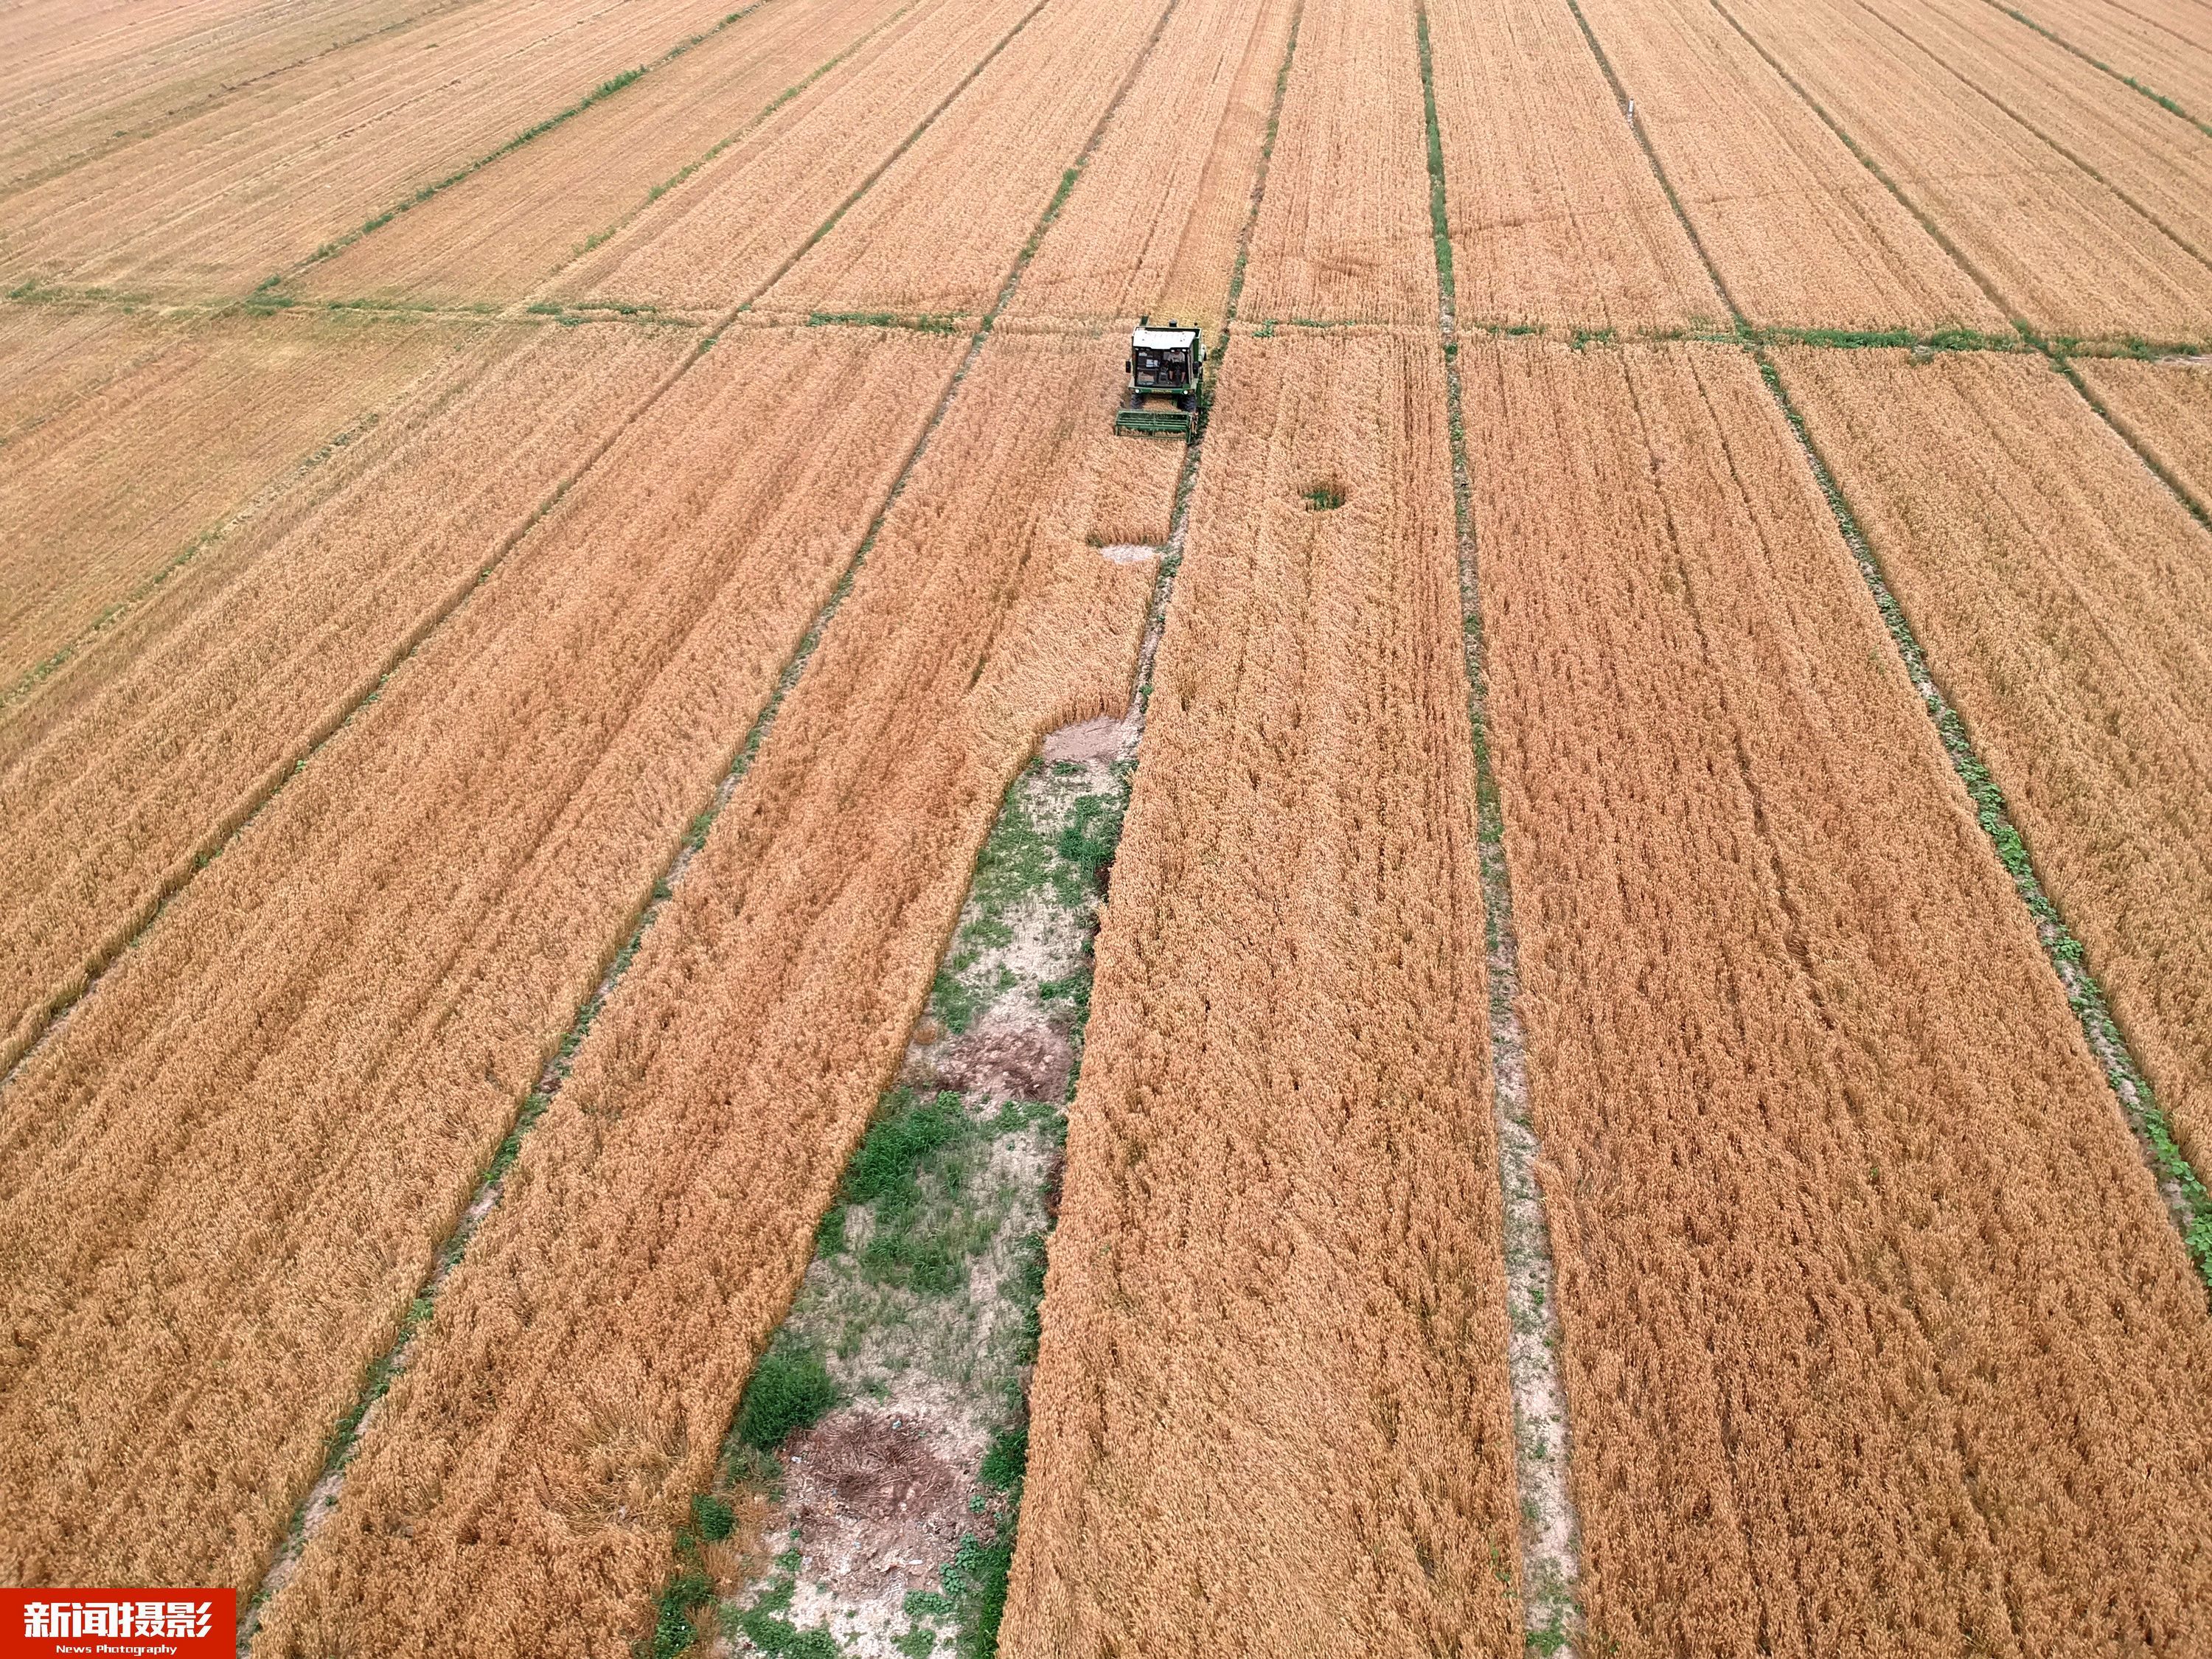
[{"x": 1167, "y": 370}]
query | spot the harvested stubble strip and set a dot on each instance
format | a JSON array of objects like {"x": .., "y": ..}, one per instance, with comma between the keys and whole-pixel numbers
[
  {"x": 223, "y": 1179},
  {"x": 1344, "y": 235},
  {"x": 715, "y": 239},
  {"x": 2065, "y": 601},
  {"x": 1270, "y": 1414},
  {"x": 2059, "y": 248},
  {"x": 139, "y": 758},
  {"x": 935, "y": 236},
  {"x": 119, "y": 482},
  {"x": 1155, "y": 229},
  {"x": 501, "y": 232},
  {"x": 253, "y": 185},
  {"x": 1556, "y": 216},
  {"x": 1802, "y": 234},
  {"x": 1877, "y": 1337},
  {"x": 518, "y": 1489}
]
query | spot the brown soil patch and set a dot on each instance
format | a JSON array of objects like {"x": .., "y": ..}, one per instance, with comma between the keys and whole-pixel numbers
[
  {"x": 1023, "y": 1062},
  {"x": 876, "y": 1505}
]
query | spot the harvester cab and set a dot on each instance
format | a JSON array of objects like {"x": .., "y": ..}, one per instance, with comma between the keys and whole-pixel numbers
[{"x": 1167, "y": 370}]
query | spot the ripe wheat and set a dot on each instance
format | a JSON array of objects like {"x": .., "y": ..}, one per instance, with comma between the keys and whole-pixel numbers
[
  {"x": 572, "y": 1392},
  {"x": 2065, "y": 600},
  {"x": 223, "y": 1179},
  {"x": 1877, "y": 1338},
  {"x": 1270, "y": 1413},
  {"x": 1556, "y": 216}
]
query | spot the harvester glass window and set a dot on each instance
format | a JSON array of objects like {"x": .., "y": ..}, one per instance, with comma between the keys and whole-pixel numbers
[{"x": 1160, "y": 365}]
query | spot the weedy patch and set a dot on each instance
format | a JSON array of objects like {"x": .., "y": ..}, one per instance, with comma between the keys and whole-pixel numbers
[{"x": 882, "y": 1442}]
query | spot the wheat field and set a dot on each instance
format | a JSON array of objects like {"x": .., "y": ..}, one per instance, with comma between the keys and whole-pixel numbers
[{"x": 1608, "y": 1050}]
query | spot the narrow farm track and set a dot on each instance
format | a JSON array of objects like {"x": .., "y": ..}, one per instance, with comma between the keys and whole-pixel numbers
[
  {"x": 1799, "y": 231},
  {"x": 2065, "y": 599},
  {"x": 1875, "y": 1331},
  {"x": 1554, "y": 218},
  {"x": 277, "y": 1154}
]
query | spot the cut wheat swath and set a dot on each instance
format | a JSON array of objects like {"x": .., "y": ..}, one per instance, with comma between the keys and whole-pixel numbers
[
  {"x": 570, "y": 1396},
  {"x": 1276, "y": 1306},
  {"x": 223, "y": 1179},
  {"x": 1877, "y": 1337},
  {"x": 2065, "y": 600}
]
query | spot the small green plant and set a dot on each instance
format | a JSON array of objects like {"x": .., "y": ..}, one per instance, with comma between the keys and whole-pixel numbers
[
  {"x": 1324, "y": 496},
  {"x": 790, "y": 1389}
]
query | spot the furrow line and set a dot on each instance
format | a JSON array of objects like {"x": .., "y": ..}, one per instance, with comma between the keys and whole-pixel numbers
[
  {"x": 1551, "y": 1546},
  {"x": 2183, "y": 1195}
]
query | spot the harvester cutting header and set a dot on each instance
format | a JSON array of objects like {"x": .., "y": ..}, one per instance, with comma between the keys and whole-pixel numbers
[{"x": 1167, "y": 369}]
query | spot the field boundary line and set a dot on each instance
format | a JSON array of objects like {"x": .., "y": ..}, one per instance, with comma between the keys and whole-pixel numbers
[
  {"x": 598, "y": 94},
  {"x": 2168, "y": 105},
  {"x": 1549, "y": 1575},
  {"x": 2179, "y": 1188},
  {"x": 17, "y": 1046},
  {"x": 322, "y": 1495}
]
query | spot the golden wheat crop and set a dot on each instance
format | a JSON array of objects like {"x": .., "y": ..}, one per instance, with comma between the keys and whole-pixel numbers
[
  {"x": 1802, "y": 234},
  {"x": 2165, "y": 44},
  {"x": 1344, "y": 233},
  {"x": 223, "y": 1178},
  {"x": 116, "y": 484},
  {"x": 1275, "y": 1311},
  {"x": 2065, "y": 599},
  {"x": 77, "y": 78},
  {"x": 1877, "y": 1338},
  {"x": 2165, "y": 409},
  {"x": 1154, "y": 229},
  {"x": 2159, "y": 163},
  {"x": 252, "y": 184},
  {"x": 721, "y": 236},
  {"x": 571, "y": 1394},
  {"x": 937, "y": 234},
  {"x": 2060, "y": 248},
  {"x": 141, "y": 758},
  {"x": 505, "y": 231},
  {"x": 1556, "y": 216}
]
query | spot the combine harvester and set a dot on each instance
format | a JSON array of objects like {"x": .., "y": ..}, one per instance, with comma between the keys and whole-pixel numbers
[{"x": 1167, "y": 363}]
